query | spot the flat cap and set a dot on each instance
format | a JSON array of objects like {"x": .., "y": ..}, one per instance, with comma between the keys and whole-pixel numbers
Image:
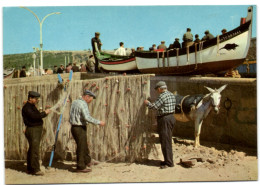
[
  {"x": 160, "y": 84},
  {"x": 87, "y": 92},
  {"x": 97, "y": 33},
  {"x": 224, "y": 30},
  {"x": 207, "y": 31},
  {"x": 34, "y": 94},
  {"x": 177, "y": 39}
]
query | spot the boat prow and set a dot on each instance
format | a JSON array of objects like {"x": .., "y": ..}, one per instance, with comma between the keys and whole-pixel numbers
[{"x": 219, "y": 54}]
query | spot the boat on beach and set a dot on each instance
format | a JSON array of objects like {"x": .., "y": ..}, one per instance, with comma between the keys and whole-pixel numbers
[
  {"x": 8, "y": 73},
  {"x": 219, "y": 54},
  {"x": 116, "y": 63}
]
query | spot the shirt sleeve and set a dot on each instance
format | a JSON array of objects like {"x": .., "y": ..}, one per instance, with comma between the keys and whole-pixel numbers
[
  {"x": 86, "y": 116},
  {"x": 156, "y": 105}
]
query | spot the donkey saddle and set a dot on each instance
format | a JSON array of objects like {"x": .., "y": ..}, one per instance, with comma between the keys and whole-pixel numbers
[{"x": 184, "y": 103}]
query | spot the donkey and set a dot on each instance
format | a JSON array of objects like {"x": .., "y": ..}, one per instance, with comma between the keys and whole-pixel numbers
[{"x": 197, "y": 107}]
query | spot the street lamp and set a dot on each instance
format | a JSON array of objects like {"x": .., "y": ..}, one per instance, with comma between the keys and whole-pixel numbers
[{"x": 40, "y": 22}]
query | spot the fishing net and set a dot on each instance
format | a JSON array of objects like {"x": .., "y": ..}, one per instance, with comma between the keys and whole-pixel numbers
[{"x": 127, "y": 135}]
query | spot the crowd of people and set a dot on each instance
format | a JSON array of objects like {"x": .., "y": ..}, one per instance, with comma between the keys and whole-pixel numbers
[{"x": 92, "y": 63}]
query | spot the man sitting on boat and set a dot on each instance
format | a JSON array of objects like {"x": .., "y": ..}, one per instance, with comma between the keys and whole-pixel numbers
[
  {"x": 153, "y": 47},
  {"x": 162, "y": 46},
  {"x": 121, "y": 50},
  {"x": 197, "y": 40},
  {"x": 187, "y": 38},
  {"x": 207, "y": 36},
  {"x": 176, "y": 44}
]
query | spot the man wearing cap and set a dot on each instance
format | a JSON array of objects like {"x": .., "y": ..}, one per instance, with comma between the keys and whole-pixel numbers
[
  {"x": 207, "y": 36},
  {"x": 176, "y": 44},
  {"x": 96, "y": 47},
  {"x": 33, "y": 121},
  {"x": 79, "y": 118},
  {"x": 162, "y": 46},
  {"x": 165, "y": 106},
  {"x": 197, "y": 40}
]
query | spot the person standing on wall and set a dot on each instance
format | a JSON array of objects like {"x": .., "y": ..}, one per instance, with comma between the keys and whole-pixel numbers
[
  {"x": 33, "y": 120},
  {"x": 96, "y": 47},
  {"x": 165, "y": 106},
  {"x": 79, "y": 118}
]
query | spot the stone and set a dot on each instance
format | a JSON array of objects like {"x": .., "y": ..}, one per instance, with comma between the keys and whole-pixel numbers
[
  {"x": 188, "y": 162},
  {"x": 211, "y": 161}
]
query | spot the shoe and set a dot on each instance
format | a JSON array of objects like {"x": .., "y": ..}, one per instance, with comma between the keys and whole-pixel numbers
[
  {"x": 162, "y": 163},
  {"x": 38, "y": 173},
  {"x": 86, "y": 170},
  {"x": 165, "y": 166},
  {"x": 93, "y": 162}
]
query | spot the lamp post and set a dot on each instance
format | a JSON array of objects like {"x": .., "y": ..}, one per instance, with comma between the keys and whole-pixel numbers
[{"x": 41, "y": 22}]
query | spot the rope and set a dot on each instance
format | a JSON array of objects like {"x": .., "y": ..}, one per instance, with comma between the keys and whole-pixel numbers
[{"x": 218, "y": 40}]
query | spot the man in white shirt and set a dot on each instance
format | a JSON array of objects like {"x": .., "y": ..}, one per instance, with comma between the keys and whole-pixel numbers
[{"x": 121, "y": 50}]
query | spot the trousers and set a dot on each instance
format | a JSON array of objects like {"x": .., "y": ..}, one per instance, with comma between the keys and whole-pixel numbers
[
  {"x": 33, "y": 135},
  {"x": 165, "y": 127},
  {"x": 79, "y": 134}
]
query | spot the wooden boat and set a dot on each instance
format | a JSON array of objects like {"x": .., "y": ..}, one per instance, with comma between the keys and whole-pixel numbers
[
  {"x": 8, "y": 73},
  {"x": 116, "y": 63},
  {"x": 216, "y": 55}
]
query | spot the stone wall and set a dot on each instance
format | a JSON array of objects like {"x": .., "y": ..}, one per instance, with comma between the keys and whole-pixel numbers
[{"x": 237, "y": 126}]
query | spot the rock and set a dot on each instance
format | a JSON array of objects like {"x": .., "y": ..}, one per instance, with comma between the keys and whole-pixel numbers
[
  {"x": 211, "y": 161},
  {"x": 188, "y": 163}
]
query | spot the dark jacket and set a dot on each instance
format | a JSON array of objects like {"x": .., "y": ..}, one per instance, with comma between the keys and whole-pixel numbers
[
  {"x": 31, "y": 115},
  {"x": 22, "y": 73},
  {"x": 98, "y": 41},
  {"x": 75, "y": 68},
  {"x": 60, "y": 70}
]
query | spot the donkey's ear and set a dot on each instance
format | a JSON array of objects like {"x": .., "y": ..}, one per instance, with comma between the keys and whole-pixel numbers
[
  {"x": 210, "y": 90},
  {"x": 222, "y": 88}
]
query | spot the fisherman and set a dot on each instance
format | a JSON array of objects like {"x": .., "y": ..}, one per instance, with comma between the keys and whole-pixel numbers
[
  {"x": 23, "y": 72},
  {"x": 165, "y": 106},
  {"x": 207, "y": 36},
  {"x": 61, "y": 69},
  {"x": 197, "y": 40},
  {"x": 79, "y": 118},
  {"x": 32, "y": 119},
  {"x": 75, "y": 68},
  {"x": 91, "y": 64},
  {"x": 153, "y": 47},
  {"x": 55, "y": 70},
  {"x": 121, "y": 50},
  {"x": 187, "y": 38},
  {"x": 162, "y": 46},
  {"x": 176, "y": 44},
  {"x": 96, "y": 47},
  {"x": 132, "y": 52}
]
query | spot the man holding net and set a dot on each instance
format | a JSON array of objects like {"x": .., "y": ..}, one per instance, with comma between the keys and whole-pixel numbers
[
  {"x": 33, "y": 120},
  {"x": 79, "y": 118},
  {"x": 165, "y": 106}
]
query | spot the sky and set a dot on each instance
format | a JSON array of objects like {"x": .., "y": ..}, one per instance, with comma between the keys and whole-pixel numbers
[{"x": 135, "y": 25}]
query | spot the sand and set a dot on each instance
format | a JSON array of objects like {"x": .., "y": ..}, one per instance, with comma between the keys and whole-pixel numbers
[{"x": 220, "y": 163}]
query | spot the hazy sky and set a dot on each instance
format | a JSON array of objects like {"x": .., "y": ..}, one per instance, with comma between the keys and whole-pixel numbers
[{"x": 134, "y": 25}]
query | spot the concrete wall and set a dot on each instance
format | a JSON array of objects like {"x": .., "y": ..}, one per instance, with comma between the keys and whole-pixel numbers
[{"x": 237, "y": 126}]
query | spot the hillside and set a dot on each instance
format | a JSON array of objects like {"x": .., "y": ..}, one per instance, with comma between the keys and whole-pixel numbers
[{"x": 50, "y": 58}]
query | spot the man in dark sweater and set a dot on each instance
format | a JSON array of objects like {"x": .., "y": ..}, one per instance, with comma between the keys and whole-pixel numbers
[
  {"x": 96, "y": 47},
  {"x": 33, "y": 120}
]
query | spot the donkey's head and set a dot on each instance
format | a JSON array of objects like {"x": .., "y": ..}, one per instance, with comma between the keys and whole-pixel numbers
[{"x": 215, "y": 97}]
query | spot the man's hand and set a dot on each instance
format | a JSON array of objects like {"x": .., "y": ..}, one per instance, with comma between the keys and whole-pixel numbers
[
  {"x": 102, "y": 123},
  {"x": 146, "y": 102},
  {"x": 48, "y": 111}
]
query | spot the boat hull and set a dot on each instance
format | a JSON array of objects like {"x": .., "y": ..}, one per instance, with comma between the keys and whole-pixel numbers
[
  {"x": 119, "y": 65},
  {"x": 220, "y": 54}
]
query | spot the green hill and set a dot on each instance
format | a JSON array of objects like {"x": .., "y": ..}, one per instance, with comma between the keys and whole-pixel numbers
[{"x": 50, "y": 58}]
